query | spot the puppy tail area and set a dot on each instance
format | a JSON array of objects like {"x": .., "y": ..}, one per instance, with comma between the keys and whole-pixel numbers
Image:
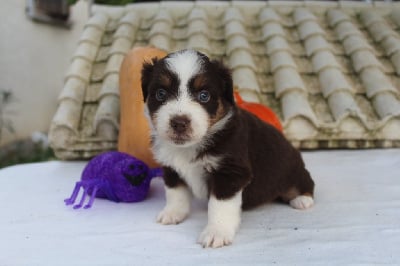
[
  {"x": 298, "y": 201},
  {"x": 300, "y": 197}
]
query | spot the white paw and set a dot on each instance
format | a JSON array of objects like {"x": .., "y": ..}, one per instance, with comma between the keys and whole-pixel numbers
[
  {"x": 302, "y": 202},
  {"x": 214, "y": 237},
  {"x": 168, "y": 216}
]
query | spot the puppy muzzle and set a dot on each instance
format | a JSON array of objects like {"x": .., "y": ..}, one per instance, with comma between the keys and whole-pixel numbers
[{"x": 181, "y": 129}]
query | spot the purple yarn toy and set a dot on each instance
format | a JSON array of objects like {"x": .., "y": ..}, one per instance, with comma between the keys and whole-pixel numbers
[{"x": 115, "y": 176}]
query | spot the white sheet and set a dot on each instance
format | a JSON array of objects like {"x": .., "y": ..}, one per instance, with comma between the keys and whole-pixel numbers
[{"x": 356, "y": 220}]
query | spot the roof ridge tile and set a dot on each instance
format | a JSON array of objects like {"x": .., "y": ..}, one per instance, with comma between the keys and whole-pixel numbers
[
  {"x": 268, "y": 15},
  {"x": 346, "y": 29},
  {"x": 343, "y": 76},
  {"x": 131, "y": 18},
  {"x": 302, "y": 14},
  {"x": 271, "y": 29},
  {"x": 354, "y": 44},
  {"x": 197, "y": 13},
  {"x": 92, "y": 34},
  {"x": 249, "y": 95},
  {"x": 98, "y": 20},
  {"x": 391, "y": 45},
  {"x": 376, "y": 82},
  {"x": 241, "y": 58},
  {"x": 74, "y": 89},
  {"x": 389, "y": 129},
  {"x": 64, "y": 126},
  {"x": 234, "y": 27},
  {"x": 300, "y": 121},
  {"x": 233, "y": 14},
  {"x": 368, "y": 17},
  {"x": 332, "y": 80},
  {"x": 281, "y": 59},
  {"x": 159, "y": 35},
  {"x": 200, "y": 42},
  {"x": 309, "y": 28},
  {"x": 283, "y": 84},
  {"x": 395, "y": 16},
  {"x": 110, "y": 86},
  {"x": 126, "y": 31},
  {"x": 342, "y": 104},
  {"x": 364, "y": 59},
  {"x": 197, "y": 27},
  {"x": 87, "y": 51},
  {"x": 237, "y": 42},
  {"x": 80, "y": 68},
  {"x": 106, "y": 122},
  {"x": 335, "y": 16},
  {"x": 315, "y": 44},
  {"x": 277, "y": 44},
  {"x": 114, "y": 63},
  {"x": 120, "y": 45},
  {"x": 387, "y": 105},
  {"x": 245, "y": 78},
  {"x": 395, "y": 58}
]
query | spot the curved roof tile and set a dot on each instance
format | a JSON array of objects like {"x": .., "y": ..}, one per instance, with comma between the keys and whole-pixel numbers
[
  {"x": 330, "y": 71},
  {"x": 335, "y": 17},
  {"x": 98, "y": 20},
  {"x": 131, "y": 18},
  {"x": 308, "y": 29},
  {"x": 387, "y": 105},
  {"x": 241, "y": 58},
  {"x": 375, "y": 81},
  {"x": 92, "y": 34},
  {"x": 315, "y": 44},
  {"x": 268, "y": 15},
  {"x": 284, "y": 84},
  {"x": 231, "y": 14},
  {"x": 324, "y": 59},
  {"x": 281, "y": 59},
  {"x": 395, "y": 58},
  {"x": 277, "y": 44},
  {"x": 332, "y": 80}
]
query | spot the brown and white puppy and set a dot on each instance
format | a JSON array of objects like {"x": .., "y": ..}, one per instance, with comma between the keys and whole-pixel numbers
[{"x": 213, "y": 150}]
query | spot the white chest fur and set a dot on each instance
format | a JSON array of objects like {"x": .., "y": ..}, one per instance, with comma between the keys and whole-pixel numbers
[{"x": 184, "y": 162}]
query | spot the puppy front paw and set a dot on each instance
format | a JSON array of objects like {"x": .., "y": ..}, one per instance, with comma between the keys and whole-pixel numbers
[
  {"x": 215, "y": 237},
  {"x": 169, "y": 216}
]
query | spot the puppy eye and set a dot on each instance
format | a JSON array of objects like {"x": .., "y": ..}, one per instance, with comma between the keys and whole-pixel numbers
[
  {"x": 203, "y": 96},
  {"x": 161, "y": 95}
]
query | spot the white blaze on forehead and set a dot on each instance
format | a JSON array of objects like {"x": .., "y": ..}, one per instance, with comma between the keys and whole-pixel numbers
[{"x": 185, "y": 65}]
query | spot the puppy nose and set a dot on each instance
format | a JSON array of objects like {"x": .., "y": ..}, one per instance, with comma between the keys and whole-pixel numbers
[{"x": 180, "y": 123}]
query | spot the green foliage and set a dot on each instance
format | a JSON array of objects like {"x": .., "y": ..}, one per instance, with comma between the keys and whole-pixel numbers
[
  {"x": 71, "y": 2},
  {"x": 106, "y": 2},
  {"x": 114, "y": 2},
  {"x": 6, "y": 97},
  {"x": 24, "y": 151}
]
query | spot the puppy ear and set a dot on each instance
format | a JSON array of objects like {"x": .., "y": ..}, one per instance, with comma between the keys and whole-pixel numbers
[
  {"x": 224, "y": 74},
  {"x": 147, "y": 75}
]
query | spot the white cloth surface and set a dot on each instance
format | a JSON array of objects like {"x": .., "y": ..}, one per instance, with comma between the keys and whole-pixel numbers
[{"x": 355, "y": 220}]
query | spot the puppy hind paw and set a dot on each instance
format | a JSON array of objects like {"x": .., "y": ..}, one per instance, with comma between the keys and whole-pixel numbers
[
  {"x": 302, "y": 202},
  {"x": 171, "y": 217},
  {"x": 212, "y": 237}
]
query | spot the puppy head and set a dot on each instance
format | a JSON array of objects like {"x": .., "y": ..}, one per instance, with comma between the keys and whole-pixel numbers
[{"x": 186, "y": 96}]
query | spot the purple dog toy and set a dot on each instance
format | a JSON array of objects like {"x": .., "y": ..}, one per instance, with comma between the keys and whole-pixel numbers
[{"x": 115, "y": 176}]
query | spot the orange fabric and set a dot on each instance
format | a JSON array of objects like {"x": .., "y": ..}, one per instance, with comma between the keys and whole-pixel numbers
[
  {"x": 134, "y": 131},
  {"x": 261, "y": 111}
]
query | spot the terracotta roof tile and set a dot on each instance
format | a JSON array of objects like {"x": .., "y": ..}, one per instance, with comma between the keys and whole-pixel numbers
[{"x": 330, "y": 70}]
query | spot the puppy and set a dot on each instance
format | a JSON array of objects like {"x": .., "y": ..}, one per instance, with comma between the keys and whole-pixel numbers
[{"x": 211, "y": 149}]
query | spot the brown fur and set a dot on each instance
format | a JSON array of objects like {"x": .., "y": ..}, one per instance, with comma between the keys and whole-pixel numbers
[{"x": 257, "y": 158}]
